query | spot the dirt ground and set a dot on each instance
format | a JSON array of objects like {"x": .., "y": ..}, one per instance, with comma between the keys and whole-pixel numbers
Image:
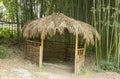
[{"x": 16, "y": 67}]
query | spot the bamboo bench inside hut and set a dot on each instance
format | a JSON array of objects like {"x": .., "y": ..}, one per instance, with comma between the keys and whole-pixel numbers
[{"x": 55, "y": 26}]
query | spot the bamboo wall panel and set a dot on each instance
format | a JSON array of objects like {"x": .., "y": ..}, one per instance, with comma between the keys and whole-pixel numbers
[{"x": 32, "y": 51}]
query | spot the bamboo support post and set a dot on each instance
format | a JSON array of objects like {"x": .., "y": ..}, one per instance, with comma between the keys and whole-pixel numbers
[
  {"x": 41, "y": 50},
  {"x": 84, "y": 48},
  {"x": 76, "y": 52}
]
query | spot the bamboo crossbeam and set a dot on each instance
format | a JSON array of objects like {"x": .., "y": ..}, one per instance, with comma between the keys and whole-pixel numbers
[
  {"x": 7, "y": 22},
  {"x": 32, "y": 41}
]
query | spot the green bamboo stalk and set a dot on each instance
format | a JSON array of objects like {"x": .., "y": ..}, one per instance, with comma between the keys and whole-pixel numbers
[
  {"x": 94, "y": 20},
  {"x": 119, "y": 40},
  {"x": 72, "y": 8},
  {"x": 119, "y": 52},
  {"x": 107, "y": 31},
  {"x": 86, "y": 11},
  {"x": 103, "y": 29},
  {"x": 112, "y": 43},
  {"x": 78, "y": 8},
  {"x": 116, "y": 31},
  {"x": 99, "y": 27}
]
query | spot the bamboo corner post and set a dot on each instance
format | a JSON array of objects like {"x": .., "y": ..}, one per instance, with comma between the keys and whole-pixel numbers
[
  {"x": 41, "y": 50},
  {"x": 76, "y": 52}
]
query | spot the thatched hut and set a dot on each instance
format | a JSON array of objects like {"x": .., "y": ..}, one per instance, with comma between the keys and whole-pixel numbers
[{"x": 58, "y": 23}]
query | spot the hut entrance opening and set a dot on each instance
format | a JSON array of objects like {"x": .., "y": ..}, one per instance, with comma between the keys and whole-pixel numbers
[{"x": 59, "y": 48}]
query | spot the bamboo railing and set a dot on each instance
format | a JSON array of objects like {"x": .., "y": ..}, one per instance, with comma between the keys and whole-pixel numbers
[{"x": 80, "y": 58}]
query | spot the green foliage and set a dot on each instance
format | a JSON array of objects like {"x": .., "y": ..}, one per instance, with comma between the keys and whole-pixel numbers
[
  {"x": 3, "y": 52},
  {"x": 98, "y": 69},
  {"x": 82, "y": 70},
  {"x": 1, "y": 14},
  {"x": 12, "y": 8},
  {"x": 107, "y": 66},
  {"x": 6, "y": 34}
]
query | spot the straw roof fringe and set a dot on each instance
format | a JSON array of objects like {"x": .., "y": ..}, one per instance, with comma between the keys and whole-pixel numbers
[{"x": 59, "y": 22}]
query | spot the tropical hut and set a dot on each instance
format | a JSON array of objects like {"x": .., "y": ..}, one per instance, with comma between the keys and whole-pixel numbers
[{"x": 54, "y": 24}]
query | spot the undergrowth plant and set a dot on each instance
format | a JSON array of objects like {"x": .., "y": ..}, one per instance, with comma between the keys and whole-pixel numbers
[
  {"x": 98, "y": 69},
  {"x": 3, "y": 52},
  {"x": 107, "y": 66},
  {"x": 82, "y": 70},
  {"x": 110, "y": 66}
]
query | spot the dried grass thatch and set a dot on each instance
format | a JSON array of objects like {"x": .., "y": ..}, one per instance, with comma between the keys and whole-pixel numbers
[{"x": 59, "y": 22}]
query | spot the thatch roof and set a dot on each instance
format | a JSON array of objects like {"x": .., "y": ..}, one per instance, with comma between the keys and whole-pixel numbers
[{"x": 59, "y": 22}]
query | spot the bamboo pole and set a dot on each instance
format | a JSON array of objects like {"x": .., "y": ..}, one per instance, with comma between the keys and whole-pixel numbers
[
  {"x": 76, "y": 52},
  {"x": 95, "y": 23},
  {"x": 41, "y": 50},
  {"x": 118, "y": 34},
  {"x": 99, "y": 29},
  {"x": 107, "y": 32},
  {"x": 119, "y": 52}
]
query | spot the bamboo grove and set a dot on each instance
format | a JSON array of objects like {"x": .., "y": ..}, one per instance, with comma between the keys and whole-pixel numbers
[{"x": 104, "y": 15}]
